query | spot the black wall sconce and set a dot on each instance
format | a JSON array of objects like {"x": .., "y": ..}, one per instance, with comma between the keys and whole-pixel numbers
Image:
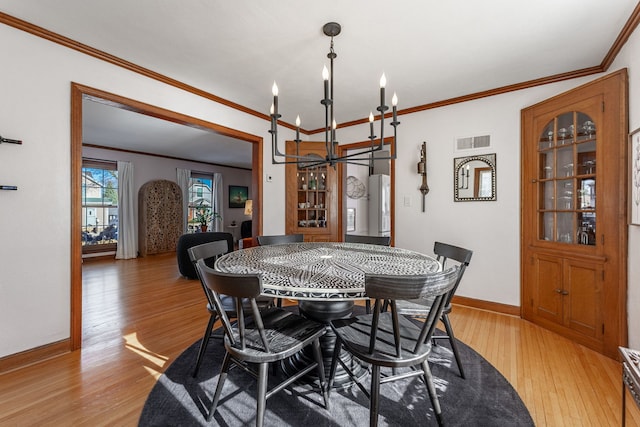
[
  {"x": 463, "y": 184},
  {"x": 422, "y": 170}
]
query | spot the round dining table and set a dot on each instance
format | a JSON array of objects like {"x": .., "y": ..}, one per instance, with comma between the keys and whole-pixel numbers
[{"x": 325, "y": 277}]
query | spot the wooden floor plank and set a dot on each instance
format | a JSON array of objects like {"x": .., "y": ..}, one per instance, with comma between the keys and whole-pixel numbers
[{"x": 139, "y": 315}]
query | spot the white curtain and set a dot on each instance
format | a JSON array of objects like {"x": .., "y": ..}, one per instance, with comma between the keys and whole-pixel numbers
[
  {"x": 218, "y": 194},
  {"x": 127, "y": 243},
  {"x": 183, "y": 177}
]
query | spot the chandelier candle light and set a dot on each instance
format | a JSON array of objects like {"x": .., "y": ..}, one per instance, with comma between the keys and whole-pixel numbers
[{"x": 332, "y": 29}]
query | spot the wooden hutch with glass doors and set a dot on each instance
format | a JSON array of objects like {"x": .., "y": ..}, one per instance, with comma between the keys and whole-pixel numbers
[
  {"x": 311, "y": 195},
  {"x": 574, "y": 226}
]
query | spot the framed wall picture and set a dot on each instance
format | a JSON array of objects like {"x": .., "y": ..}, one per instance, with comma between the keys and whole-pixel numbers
[
  {"x": 238, "y": 195},
  {"x": 351, "y": 219},
  {"x": 634, "y": 178}
]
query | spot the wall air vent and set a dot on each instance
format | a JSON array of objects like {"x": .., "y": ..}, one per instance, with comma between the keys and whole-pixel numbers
[{"x": 473, "y": 142}]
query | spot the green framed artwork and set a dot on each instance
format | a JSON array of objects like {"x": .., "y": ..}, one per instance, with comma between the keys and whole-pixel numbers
[{"x": 238, "y": 195}]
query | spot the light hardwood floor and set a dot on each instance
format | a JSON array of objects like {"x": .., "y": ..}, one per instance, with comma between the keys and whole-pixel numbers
[{"x": 140, "y": 315}]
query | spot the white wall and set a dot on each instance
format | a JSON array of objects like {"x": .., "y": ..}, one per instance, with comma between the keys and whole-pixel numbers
[{"x": 35, "y": 107}]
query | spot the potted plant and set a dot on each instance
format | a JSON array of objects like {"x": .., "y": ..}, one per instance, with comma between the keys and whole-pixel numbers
[{"x": 203, "y": 216}]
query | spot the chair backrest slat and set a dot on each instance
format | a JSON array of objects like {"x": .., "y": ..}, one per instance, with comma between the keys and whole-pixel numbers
[
  {"x": 278, "y": 239},
  {"x": 370, "y": 240}
]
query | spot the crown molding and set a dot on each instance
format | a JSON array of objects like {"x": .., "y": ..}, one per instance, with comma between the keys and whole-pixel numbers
[{"x": 622, "y": 38}]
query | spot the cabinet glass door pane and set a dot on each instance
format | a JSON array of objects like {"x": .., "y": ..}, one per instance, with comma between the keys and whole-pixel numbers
[
  {"x": 564, "y": 232},
  {"x": 565, "y": 162},
  {"x": 567, "y": 179},
  {"x": 546, "y": 164},
  {"x": 587, "y": 158},
  {"x": 547, "y": 226},
  {"x": 549, "y": 198},
  {"x": 565, "y": 195}
]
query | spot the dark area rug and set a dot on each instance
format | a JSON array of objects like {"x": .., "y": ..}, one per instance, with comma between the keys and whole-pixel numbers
[{"x": 485, "y": 398}]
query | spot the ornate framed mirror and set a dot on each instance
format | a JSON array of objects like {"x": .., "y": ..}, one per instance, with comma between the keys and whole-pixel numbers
[{"x": 474, "y": 178}]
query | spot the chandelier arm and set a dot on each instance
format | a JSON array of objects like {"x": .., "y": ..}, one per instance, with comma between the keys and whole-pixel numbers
[
  {"x": 275, "y": 152},
  {"x": 348, "y": 159},
  {"x": 296, "y": 162},
  {"x": 361, "y": 153},
  {"x": 355, "y": 163},
  {"x": 394, "y": 149}
]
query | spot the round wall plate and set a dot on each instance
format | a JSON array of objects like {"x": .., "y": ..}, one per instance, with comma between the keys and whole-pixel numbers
[{"x": 355, "y": 188}]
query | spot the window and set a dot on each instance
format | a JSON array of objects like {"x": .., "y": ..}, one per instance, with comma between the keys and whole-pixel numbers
[
  {"x": 99, "y": 206},
  {"x": 200, "y": 194}
]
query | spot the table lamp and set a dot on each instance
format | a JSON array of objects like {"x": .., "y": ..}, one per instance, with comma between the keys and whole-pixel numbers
[{"x": 248, "y": 208}]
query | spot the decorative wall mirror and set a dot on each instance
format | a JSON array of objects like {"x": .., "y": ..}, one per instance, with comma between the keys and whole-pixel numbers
[{"x": 474, "y": 178}]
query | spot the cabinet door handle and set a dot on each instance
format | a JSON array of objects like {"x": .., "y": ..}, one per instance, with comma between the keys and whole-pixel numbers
[
  {"x": 565, "y": 292},
  {"x": 559, "y": 290}
]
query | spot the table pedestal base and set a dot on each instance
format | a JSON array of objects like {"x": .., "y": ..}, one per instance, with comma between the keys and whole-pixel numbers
[{"x": 325, "y": 312}]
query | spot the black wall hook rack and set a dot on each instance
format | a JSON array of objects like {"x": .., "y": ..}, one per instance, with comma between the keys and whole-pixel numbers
[{"x": 10, "y": 141}]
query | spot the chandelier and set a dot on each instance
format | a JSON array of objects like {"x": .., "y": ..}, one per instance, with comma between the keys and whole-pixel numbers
[{"x": 331, "y": 158}]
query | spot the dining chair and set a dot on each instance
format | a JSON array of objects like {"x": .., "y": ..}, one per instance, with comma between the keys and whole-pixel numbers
[
  {"x": 389, "y": 339},
  {"x": 210, "y": 252},
  {"x": 269, "y": 336},
  {"x": 280, "y": 238},
  {"x": 369, "y": 240},
  {"x": 421, "y": 307}
]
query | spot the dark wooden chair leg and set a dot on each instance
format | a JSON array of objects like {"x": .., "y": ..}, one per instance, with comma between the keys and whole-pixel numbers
[
  {"x": 334, "y": 364},
  {"x": 433, "y": 396},
  {"x": 204, "y": 343},
  {"x": 226, "y": 363},
  {"x": 317, "y": 354},
  {"x": 263, "y": 369},
  {"x": 452, "y": 340},
  {"x": 374, "y": 398}
]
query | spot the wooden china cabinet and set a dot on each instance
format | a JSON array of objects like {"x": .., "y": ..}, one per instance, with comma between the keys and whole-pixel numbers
[
  {"x": 574, "y": 214},
  {"x": 311, "y": 195}
]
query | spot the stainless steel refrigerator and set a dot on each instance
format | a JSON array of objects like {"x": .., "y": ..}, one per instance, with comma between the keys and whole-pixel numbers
[{"x": 379, "y": 214}]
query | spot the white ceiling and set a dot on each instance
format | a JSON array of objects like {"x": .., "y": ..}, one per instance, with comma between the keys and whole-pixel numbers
[
  {"x": 113, "y": 127},
  {"x": 430, "y": 50}
]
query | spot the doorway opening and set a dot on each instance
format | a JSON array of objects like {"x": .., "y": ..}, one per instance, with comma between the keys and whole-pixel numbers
[
  {"x": 80, "y": 93},
  {"x": 367, "y": 202}
]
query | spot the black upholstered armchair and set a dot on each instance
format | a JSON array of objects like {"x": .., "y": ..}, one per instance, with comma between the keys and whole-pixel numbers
[
  {"x": 245, "y": 229},
  {"x": 187, "y": 241}
]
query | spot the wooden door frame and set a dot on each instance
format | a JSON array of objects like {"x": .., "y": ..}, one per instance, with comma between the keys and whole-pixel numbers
[
  {"x": 341, "y": 171},
  {"x": 78, "y": 93}
]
